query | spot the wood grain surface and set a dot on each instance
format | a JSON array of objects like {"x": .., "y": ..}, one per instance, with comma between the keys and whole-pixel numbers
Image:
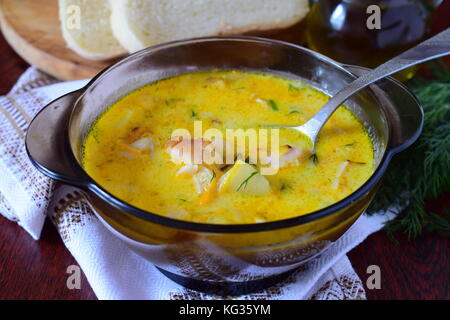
[
  {"x": 32, "y": 28},
  {"x": 29, "y": 269}
]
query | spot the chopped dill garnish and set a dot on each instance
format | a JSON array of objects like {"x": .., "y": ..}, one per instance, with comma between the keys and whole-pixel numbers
[
  {"x": 214, "y": 175},
  {"x": 245, "y": 182},
  {"x": 193, "y": 114},
  {"x": 273, "y": 105},
  {"x": 350, "y": 144},
  {"x": 293, "y": 88},
  {"x": 182, "y": 200},
  {"x": 314, "y": 158},
  {"x": 285, "y": 186}
]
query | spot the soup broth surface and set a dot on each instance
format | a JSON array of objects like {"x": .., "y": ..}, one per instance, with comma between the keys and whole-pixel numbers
[{"x": 131, "y": 150}]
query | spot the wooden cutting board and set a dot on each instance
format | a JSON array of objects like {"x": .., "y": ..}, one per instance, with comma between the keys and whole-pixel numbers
[{"x": 31, "y": 27}]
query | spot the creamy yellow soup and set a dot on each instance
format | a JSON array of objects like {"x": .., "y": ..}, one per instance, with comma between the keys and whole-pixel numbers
[{"x": 132, "y": 152}]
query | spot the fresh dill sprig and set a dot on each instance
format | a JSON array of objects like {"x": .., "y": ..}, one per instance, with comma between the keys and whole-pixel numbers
[
  {"x": 245, "y": 182},
  {"x": 423, "y": 171},
  {"x": 314, "y": 158},
  {"x": 285, "y": 186},
  {"x": 273, "y": 105}
]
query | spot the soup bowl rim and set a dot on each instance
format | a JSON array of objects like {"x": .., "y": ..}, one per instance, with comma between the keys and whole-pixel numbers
[{"x": 87, "y": 183}]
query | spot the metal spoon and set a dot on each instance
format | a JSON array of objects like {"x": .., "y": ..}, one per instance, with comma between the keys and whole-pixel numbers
[{"x": 435, "y": 47}]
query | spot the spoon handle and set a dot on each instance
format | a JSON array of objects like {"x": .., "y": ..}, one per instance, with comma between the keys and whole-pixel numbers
[{"x": 435, "y": 47}]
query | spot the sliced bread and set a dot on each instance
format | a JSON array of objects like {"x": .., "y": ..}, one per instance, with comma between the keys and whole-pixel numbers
[
  {"x": 86, "y": 28},
  {"x": 138, "y": 24}
]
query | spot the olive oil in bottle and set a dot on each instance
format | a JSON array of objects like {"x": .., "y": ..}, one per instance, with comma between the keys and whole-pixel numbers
[{"x": 339, "y": 29}]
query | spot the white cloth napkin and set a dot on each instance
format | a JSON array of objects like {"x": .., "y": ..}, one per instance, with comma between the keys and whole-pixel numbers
[{"x": 113, "y": 271}]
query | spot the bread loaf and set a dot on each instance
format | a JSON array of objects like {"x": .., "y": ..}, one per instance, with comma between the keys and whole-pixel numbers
[{"x": 138, "y": 24}]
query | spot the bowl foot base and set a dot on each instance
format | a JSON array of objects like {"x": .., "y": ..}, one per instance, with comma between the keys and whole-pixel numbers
[{"x": 226, "y": 288}]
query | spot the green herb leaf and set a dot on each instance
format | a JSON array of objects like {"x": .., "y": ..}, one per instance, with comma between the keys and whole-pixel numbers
[
  {"x": 273, "y": 105},
  {"x": 245, "y": 182},
  {"x": 314, "y": 158},
  {"x": 285, "y": 186}
]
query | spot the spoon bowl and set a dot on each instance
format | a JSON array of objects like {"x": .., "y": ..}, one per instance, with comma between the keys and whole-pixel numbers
[{"x": 435, "y": 47}]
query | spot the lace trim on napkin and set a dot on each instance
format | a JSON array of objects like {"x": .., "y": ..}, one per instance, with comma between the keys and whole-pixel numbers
[{"x": 20, "y": 181}]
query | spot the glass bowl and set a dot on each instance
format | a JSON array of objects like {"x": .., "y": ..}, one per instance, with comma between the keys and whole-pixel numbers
[{"x": 224, "y": 259}]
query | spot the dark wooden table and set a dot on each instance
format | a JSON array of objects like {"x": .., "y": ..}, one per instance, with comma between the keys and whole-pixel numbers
[{"x": 29, "y": 269}]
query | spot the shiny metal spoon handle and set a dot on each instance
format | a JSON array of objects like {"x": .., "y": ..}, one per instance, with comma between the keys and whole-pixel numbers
[{"x": 432, "y": 48}]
